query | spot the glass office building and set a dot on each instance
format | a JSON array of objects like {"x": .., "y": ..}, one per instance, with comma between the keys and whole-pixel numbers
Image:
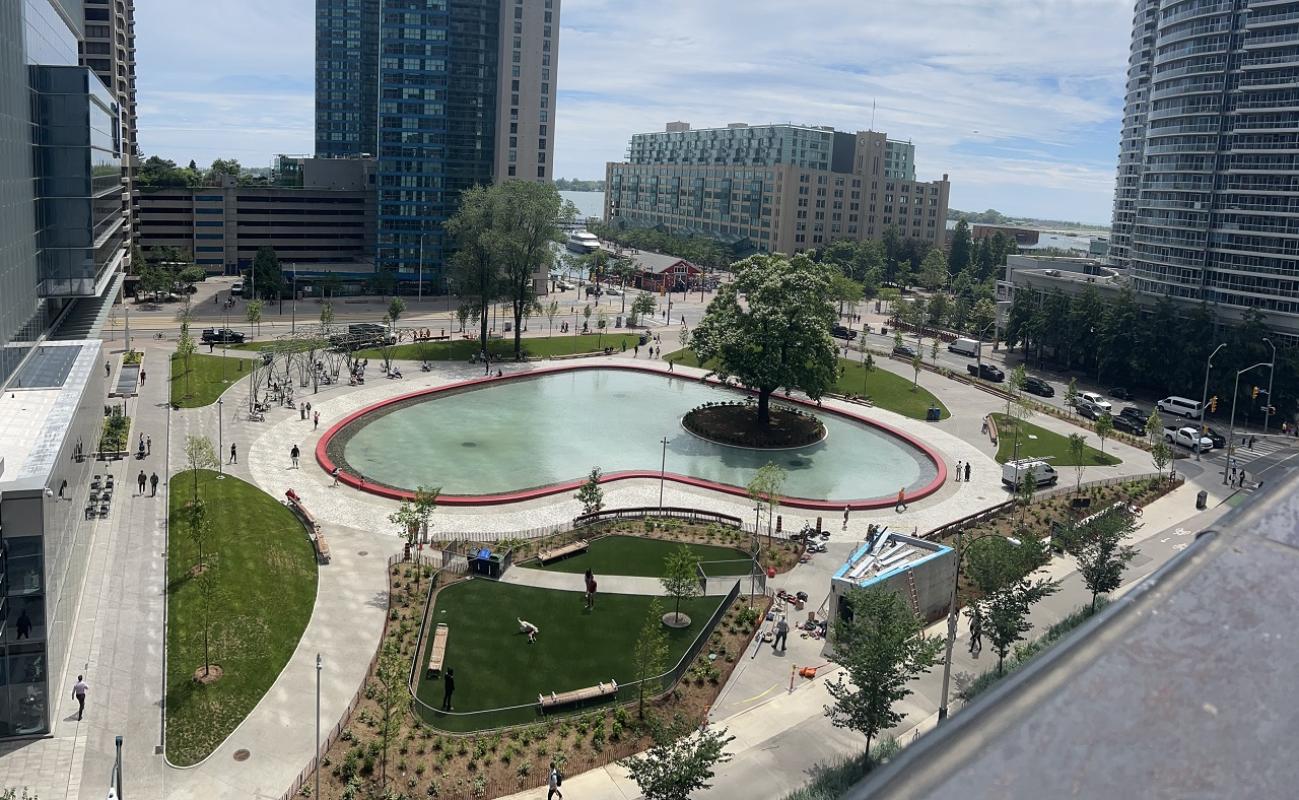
[{"x": 347, "y": 42}]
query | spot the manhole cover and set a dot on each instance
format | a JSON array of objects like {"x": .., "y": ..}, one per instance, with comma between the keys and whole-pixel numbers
[
  {"x": 242, "y": 755},
  {"x": 363, "y": 552},
  {"x": 469, "y": 444}
]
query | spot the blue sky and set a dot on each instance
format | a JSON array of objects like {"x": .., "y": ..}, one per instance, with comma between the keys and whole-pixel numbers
[{"x": 1019, "y": 101}]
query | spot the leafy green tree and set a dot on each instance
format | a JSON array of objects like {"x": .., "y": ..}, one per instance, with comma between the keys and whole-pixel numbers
[
  {"x": 326, "y": 315},
  {"x": 1100, "y": 552},
  {"x": 680, "y": 579},
  {"x": 1160, "y": 455},
  {"x": 940, "y": 306},
  {"x": 199, "y": 454},
  {"x": 552, "y": 311},
  {"x": 780, "y": 337},
  {"x": 882, "y": 648},
  {"x": 475, "y": 274},
  {"x": 198, "y": 528},
  {"x": 1077, "y": 454},
  {"x": 523, "y": 230},
  {"x": 933, "y": 270},
  {"x": 643, "y": 305},
  {"x": 765, "y": 487},
  {"x": 229, "y": 167},
  {"x": 268, "y": 278},
  {"x": 961, "y": 257},
  {"x": 844, "y": 290},
  {"x": 396, "y": 307},
  {"x": 1071, "y": 395},
  {"x": 253, "y": 313},
  {"x": 992, "y": 563},
  {"x": 867, "y": 364},
  {"x": 680, "y": 763},
  {"x": 590, "y": 495},
  {"x": 916, "y": 363},
  {"x": 1154, "y": 427},
  {"x": 185, "y": 347},
  {"x": 933, "y": 352},
  {"x": 392, "y": 698},
  {"x": 1104, "y": 427},
  {"x": 1005, "y": 613},
  {"x": 650, "y": 655}
]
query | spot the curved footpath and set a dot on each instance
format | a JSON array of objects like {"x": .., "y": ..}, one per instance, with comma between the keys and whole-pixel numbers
[{"x": 608, "y": 584}]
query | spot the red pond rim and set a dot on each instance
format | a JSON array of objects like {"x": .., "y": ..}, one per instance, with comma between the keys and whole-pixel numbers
[{"x": 355, "y": 482}]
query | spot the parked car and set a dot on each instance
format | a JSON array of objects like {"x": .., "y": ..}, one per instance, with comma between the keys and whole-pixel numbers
[
  {"x": 1090, "y": 409},
  {"x": 1181, "y": 406},
  {"x": 1218, "y": 439},
  {"x": 986, "y": 371},
  {"x": 1127, "y": 424},
  {"x": 560, "y": 286},
  {"x": 965, "y": 347},
  {"x": 1119, "y": 393},
  {"x": 222, "y": 336},
  {"x": 237, "y": 289},
  {"x": 613, "y": 291},
  {"x": 1042, "y": 473},
  {"x": 1037, "y": 386},
  {"x": 843, "y": 332},
  {"x": 1136, "y": 413},
  {"x": 904, "y": 350},
  {"x": 1187, "y": 436},
  {"x": 593, "y": 290},
  {"x": 1098, "y": 399}
]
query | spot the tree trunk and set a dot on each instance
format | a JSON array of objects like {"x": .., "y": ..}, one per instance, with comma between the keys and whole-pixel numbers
[
  {"x": 482, "y": 328},
  {"x": 764, "y": 407},
  {"x": 518, "y": 331}
]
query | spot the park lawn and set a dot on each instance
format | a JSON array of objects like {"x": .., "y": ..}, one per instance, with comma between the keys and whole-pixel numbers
[
  {"x": 210, "y": 376},
  {"x": 886, "y": 390},
  {"x": 265, "y": 573},
  {"x": 462, "y": 349},
  {"x": 496, "y": 667},
  {"x": 1046, "y": 444},
  {"x": 645, "y": 557}
]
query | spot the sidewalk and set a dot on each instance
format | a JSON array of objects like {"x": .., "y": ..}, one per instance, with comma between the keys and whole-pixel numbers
[{"x": 608, "y": 584}]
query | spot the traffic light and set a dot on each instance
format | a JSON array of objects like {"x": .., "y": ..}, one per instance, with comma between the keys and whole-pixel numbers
[
  {"x": 1213, "y": 404},
  {"x": 1254, "y": 393}
]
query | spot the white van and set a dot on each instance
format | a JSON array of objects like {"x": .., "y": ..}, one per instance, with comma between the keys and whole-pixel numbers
[
  {"x": 1181, "y": 406},
  {"x": 965, "y": 347},
  {"x": 1043, "y": 473}
]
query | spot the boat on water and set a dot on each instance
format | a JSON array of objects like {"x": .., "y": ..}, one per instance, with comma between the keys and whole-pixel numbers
[{"x": 583, "y": 242}]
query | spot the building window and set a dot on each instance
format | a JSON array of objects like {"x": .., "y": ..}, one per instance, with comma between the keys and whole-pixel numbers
[{"x": 511, "y": 170}]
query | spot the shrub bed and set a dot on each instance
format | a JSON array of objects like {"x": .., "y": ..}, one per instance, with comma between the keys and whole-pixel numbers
[{"x": 737, "y": 424}]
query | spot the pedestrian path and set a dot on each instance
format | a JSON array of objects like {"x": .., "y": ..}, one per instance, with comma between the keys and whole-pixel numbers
[{"x": 608, "y": 584}]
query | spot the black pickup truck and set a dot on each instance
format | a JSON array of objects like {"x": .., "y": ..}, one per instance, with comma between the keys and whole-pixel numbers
[{"x": 986, "y": 371}]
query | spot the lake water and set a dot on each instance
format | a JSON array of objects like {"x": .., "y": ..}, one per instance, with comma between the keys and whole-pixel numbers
[
  {"x": 1080, "y": 241},
  {"x": 589, "y": 204}
]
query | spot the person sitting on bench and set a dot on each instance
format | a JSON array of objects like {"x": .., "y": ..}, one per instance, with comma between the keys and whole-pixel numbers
[{"x": 528, "y": 628}]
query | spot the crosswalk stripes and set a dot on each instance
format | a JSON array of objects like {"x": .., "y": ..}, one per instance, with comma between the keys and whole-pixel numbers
[{"x": 1262, "y": 447}]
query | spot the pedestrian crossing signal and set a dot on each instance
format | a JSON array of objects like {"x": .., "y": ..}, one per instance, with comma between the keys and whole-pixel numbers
[
  {"x": 1213, "y": 404},
  {"x": 1254, "y": 394}
]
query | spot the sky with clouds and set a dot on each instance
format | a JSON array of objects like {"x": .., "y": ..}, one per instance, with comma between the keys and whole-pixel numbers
[{"x": 1019, "y": 101}]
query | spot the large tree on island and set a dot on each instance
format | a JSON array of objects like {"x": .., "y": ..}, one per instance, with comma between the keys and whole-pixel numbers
[
  {"x": 525, "y": 227},
  {"x": 779, "y": 336},
  {"x": 475, "y": 275}
]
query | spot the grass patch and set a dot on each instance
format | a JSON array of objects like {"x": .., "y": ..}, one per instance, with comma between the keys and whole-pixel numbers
[
  {"x": 634, "y": 555},
  {"x": 885, "y": 389},
  {"x": 208, "y": 377},
  {"x": 462, "y": 349},
  {"x": 495, "y": 666},
  {"x": 1044, "y": 444},
  {"x": 265, "y": 572}
]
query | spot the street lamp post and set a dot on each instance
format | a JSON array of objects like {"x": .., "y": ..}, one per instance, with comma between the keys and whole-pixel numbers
[
  {"x": 663, "y": 467},
  {"x": 953, "y": 615},
  {"x": 419, "y": 282},
  {"x": 221, "y": 444},
  {"x": 293, "y": 306},
  {"x": 1231, "y": 430},
  {"x": 1271, "y": 373},
  {"x": 1204, "y": 394},
  {"x": 319, "y": 665}
]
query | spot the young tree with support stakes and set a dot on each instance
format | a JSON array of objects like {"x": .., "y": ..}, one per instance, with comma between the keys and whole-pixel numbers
[
  {"x": 392, "y": 698},
  {"x": 253, "y": 314},
  {"x": 1154, "y": 427},
  {"x": 680, "y": 580},
  {"x": 1161, "y": 455},
  {"x": 185, "y": 348},
  {"x": 680, "y": 763},
  {"x": 1104, "y": 427},
  {"x": 650, "y": 655},
  {"x": 396, "y": 307},
  {"x": 326, "y": 316},
  {"x": 198, "y": 528},
  {"x": 590, "y": 495},
  {"x": 867, "y": 365},
  {"x": 199, "y": 454},
  {"x": 779, "y": 337},
  {"x": 882, "y": 648},
  {"x": 916, "y": 364},
  {"x": 643, "y": 305},
  {"x": 210, "y": 596},
  {"x": 1071, "y": 395},
  {"x": 765, "y": 488},
  {"x": 552, "y": 311},
  {"x": 1078, "y": 454}
]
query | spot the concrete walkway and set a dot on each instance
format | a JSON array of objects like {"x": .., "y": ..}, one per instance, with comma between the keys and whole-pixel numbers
[{"x": 606, "y": 584}]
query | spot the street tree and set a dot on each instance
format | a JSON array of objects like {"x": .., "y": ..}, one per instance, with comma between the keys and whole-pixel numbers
[
  {"x": 765, "y": 487},
  {"x": 1077, "y": 452},
  {"x": 198, "y": 528},
  {"x": 933, "y": 352},
  {"x": 523, "y": 229},
  {"x": 590, "y": 495},
  {"x": 643, "y": 305},
  {"x": 867, "y": 365},
  {"x": 680, "y": 763},
  {"x": 396, "y": 307},
  {"x": 210, "y": 596},
  {"x": 267, "y": 275},
  {"x": 961, "y": 257},
  {"x": 253, "y": 313},
  {"x": 185, "y": 348},
  {"x": 843, "y": 289},
  {"x": 882, "y": 649},
  {"x": 933, "y": 270},
  {"x": 994, "y": 562},
  {"x": 199, "y": 454},
  {"x": 680, "y": 580},
  {"x": 1104, "y": 427},
  {"x": 552, "y": 311},
  {"x": 916, "y": 363},
  {"x": 326, "y": 316},
  {"x": 1100, "y": 552},
  {"x": 1071, "y": 395},
  {"x": 1005, "y": 613},
  {"x": 982, "y": 317},
  {"x": 780, "y": 336},
  {"x": 939, "y": 308},
  {"x": 601, "y": 322},
  {"x": 650, "y": 655},
  {"x": 391, "y": 698},
  {"x": 1154, "y": 427},
  {"x": 475, "y": 275},
  {"x": 1160, "y": 455}
]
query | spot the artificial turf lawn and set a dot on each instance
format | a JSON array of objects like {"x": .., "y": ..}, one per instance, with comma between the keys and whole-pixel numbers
[
  {"x": 265, "y": 573},
  {"x": 561, "y": 344},
  {"x": 1047, "y": 444},
  {"x": 885, "y": 389},
  {"x": 206, "y": 378},
  {"x": 496, "y": 667},
  {"x": 641, "y": 556}
]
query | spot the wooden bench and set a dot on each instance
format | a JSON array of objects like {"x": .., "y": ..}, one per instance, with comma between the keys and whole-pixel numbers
[
  {"x": 313, "y": 526},
  {"x": 439, "y": 652},
  {"x": 554, "y": 700},
  {"x": 556, "y": 553},
  {"x": 322, "y": 547}
]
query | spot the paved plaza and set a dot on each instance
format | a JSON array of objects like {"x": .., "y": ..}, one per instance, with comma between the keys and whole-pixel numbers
[{"x": 119, "y": 639}]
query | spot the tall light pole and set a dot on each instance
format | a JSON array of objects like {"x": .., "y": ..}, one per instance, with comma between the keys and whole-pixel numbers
[
  {"x": 419, "y": 282},
  {"x": 319, "y": 665},
  {"x": 1231, "y": 431},
  {"x": 293, "y": 306},
  {"x": 1204, "y": 395},
  {"x": 1267, "y": 412},
  {"x": 954, "y": 613},
  {"x": 663, "y": 467}
]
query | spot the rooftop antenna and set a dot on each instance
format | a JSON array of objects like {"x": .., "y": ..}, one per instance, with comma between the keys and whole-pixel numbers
[{"x": 872, "y": 114}]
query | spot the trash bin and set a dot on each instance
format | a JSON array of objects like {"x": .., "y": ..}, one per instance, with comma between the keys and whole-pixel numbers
[{"x": 1201, "y": 500}]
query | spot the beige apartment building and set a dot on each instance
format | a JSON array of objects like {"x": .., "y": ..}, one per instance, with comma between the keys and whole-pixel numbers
[{"x": 774, "y": 188}]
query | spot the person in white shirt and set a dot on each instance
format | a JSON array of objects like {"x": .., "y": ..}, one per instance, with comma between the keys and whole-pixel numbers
[
  {"x": 528, "y": 628},
  {"x": 79, "y": 690},
  {"x": 553, "y": 784}
]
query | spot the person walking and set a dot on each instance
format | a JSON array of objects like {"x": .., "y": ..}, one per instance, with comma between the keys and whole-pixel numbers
[
  {"x": 141, "y": 480},
  {"x": 958, "y": 471},
  {"x": 302, "y": 412},
  {"x": 293, "y": 456},
  {"x": 315, "y": 420},
  {"x": 143, "y": 375},
  {"x": 148, "y": 445},
  {"x": 901, "y": 505},
  {"x": 967, "y": 472},
  {"x": 153, "y": 485},
  {"x": 590, "y": 589},
  {"x": 334, "y": 474},
  {"x": 846, "y": 509},
  {"x": 234, "y": 454},
  {"x": 79, "y": 690},
  {"x": 782, "y": 631},
  {"x": 448, "y": 689},
  {"x": 554, "y": 782},
  {"x": 108, "y": 370}
]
